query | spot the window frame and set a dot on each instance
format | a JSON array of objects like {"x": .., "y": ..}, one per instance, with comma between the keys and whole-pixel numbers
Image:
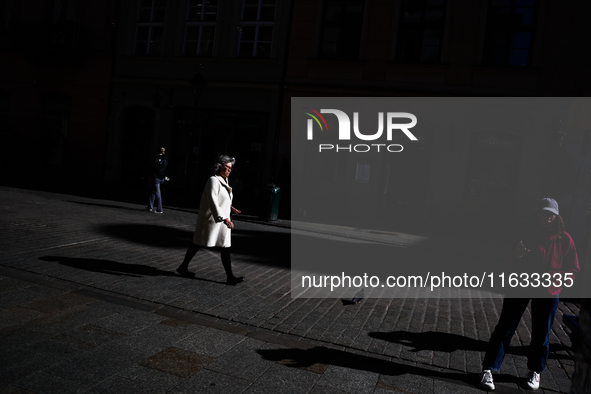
[
  {"x": 200, "y": 24},
  {"x": 489, "y": 48},
  {"x": 257, "y": 24},
  {"x": 72, "y": 8},
  {"x": 422, "y": 26},
  {"x": 150, "y": 25},
  {"x": 325, "y": 25}
]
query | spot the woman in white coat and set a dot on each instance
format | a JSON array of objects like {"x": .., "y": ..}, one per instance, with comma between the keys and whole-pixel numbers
[{"x": 214, "y": 222}]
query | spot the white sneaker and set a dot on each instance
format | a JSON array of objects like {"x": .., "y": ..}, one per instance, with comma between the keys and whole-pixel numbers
[
  {"x": 486, "y": 380},
  {"x": 533, "y": 380}
]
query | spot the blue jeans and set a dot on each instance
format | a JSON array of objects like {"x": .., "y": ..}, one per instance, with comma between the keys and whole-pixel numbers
[
  {"x": 156, "y": 196},
  {"x": 543, "y": 311}
]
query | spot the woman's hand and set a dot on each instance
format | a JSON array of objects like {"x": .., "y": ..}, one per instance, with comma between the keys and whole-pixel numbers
[
  {"x": 235, "y": 211},
  {"x": 521, "y": 250},
  {"x": 228, "y": 222}
]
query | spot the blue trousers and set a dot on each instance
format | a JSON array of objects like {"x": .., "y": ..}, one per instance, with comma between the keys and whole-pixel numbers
[
  {"x": 156, "y": 196},
  {"x": 543, "y": 311}
]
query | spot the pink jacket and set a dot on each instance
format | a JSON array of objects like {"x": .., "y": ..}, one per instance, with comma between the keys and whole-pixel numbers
[
  {"x": 556, "y": 256},
  {"x": 560, "y": 256}
]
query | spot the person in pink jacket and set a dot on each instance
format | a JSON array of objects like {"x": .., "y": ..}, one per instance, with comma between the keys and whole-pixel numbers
[
  {"x": 544, "y": 249},
  {"x": 214, "y": 222}
]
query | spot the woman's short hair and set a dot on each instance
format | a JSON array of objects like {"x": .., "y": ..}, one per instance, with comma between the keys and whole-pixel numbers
[{"x": 221, "y": 161}]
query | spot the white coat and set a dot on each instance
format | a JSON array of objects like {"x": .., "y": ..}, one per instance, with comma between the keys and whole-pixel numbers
[{"x": 216, "y": 201}]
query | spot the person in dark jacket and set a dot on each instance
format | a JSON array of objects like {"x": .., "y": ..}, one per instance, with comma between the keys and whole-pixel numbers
[
  {"x": 545, "y": 250},
  {"x": 157, "y": 178}
]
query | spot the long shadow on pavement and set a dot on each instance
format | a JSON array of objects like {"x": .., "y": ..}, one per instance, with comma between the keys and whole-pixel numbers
[
  {"x": 264, "y": 247},
  {"x": 318, "y": 357},
  {"x": 115, "y": 268},
  {"x": 108, "y": 266},
  {"x": 149, "y": 234},
  {"x": 445, "y": 342},
  {"x": 431, "y": 340}
]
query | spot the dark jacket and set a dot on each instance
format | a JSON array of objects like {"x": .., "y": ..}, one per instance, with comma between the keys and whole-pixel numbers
[{"x": 159, "y": 166}]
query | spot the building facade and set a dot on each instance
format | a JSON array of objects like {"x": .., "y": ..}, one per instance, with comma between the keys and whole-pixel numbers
[
  {"x": 54, "y": 89},
  {"x": 201, "y": 79},
  {"x": 453, "y": 48}
]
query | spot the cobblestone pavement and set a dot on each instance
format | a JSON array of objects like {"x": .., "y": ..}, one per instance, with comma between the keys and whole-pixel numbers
[{"x": 90, "y": 302}]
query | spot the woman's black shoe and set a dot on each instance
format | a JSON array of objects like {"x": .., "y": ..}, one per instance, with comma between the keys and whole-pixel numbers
[
  {"x": 185, "y": 272},
  {"x": 235, "y": 279}
]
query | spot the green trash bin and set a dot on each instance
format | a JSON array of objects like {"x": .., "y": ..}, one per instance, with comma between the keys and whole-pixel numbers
[{"x": 271, "y": 208}]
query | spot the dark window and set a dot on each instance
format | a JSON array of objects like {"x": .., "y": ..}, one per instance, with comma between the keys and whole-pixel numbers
[
  {"x": 149, "y": 33},
  {"x": 256, "y": 28},
  {"x": 67, "y": 10},
  {"x": 509, "y": 32},
  {"x": 421, "y": 31},
  {"x": 4, "y": 14},
  {"x": 200, "y": 27},
  {"x": 340, "y": 37}
]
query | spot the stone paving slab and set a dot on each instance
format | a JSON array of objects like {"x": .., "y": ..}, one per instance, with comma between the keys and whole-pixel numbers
[
  {"x": 126, "y": 361},
  {"x": 92, "y": 276}
]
